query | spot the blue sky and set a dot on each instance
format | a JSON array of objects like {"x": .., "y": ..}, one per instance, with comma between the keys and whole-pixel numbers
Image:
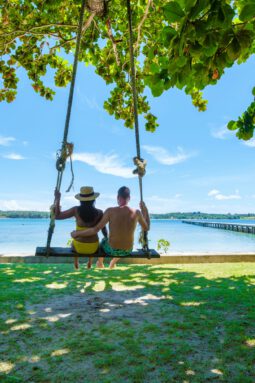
[{"x": 194, "y": 162}]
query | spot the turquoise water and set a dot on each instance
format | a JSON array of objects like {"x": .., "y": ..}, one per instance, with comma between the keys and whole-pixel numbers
[{"x": 23, "y": 235}]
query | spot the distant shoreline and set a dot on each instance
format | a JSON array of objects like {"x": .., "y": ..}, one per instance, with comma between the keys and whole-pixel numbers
[{"x": 166, "y": 216}]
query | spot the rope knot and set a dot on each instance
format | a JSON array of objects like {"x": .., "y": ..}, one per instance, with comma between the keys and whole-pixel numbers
[
  {"x": 62, "y": 155},
  {"x": 140, "y": 164}
]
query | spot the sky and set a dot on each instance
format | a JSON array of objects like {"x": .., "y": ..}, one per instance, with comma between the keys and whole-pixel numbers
[{"x": 194, "y": 162}]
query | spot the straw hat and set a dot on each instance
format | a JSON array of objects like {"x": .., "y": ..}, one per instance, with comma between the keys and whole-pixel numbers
[{"x": 86, "y": 194}]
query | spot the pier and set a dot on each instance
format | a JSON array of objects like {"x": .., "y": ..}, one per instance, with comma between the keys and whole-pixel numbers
[{"x": 240, "y": 227}]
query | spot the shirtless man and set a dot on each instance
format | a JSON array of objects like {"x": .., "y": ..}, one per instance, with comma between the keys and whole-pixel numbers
[{"x": 122, "y": 224}]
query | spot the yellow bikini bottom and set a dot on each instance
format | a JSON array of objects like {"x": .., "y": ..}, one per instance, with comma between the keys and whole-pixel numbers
[{"x": 85, "y": 248}]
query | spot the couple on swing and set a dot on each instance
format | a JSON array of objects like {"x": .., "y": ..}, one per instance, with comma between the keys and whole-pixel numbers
[{"x": 122, "y": 221}]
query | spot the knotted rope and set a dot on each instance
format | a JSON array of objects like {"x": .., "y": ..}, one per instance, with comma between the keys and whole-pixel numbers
[{"x": 66, "y": 148}]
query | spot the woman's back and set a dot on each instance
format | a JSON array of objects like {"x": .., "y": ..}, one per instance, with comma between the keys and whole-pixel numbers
[{"x": 87, "y": 216}]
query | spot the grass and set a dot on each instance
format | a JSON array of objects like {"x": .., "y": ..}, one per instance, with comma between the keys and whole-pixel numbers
[{"x": 181, "y": 323}]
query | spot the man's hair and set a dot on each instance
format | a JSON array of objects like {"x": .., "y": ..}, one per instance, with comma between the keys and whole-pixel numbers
[{"x": 124, "y": 192}]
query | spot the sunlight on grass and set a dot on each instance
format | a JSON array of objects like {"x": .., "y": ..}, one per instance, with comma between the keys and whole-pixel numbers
[
  {"x": 31, "y": 359},
  {"x": 87, "y": 284},
  {"x": 23, "y": 326},
  {"x": 10, "y": 321},
  {"x": 57, "y": 285},
  {"x": 56, "y": 318},
  {"x": 99, "y": 286},
  {"x": 217, "y": 372},
  {"x": 250, "y": 342},
  {"x": 190, "y": 372},
  {"x": 6, "y": 367},
  {"x": 60, "y": 352},
  {"x": 9, "y": 272},
  {"x": 142, "y": 300},
  {"x": 192, "y": 303},
  {"x": 104, "y": 310},
  {"x": 120, "y": 287},
  {"x": 31, "y": 279}
]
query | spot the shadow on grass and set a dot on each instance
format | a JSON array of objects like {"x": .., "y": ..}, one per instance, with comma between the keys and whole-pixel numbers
[{"x": 134, "y": 324}]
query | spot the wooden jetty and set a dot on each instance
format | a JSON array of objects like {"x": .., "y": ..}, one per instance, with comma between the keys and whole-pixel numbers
[{"x": 240, "y": 227}]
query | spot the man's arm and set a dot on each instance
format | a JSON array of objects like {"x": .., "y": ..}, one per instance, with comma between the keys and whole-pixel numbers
[
  {"x": 104, "y": 229},
  {"x": 93, "y": 230},
  {"x": 57, "y": 210},
  {"x": 105, "y": 232},
  {"x": 143, "y": 217}
]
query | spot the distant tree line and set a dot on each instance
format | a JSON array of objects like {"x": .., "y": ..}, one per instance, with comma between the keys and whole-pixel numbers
[
  {"x": 199, "y": 215},
  {"x": 178, "y": 215},
  {"x": 23, "y": 214}
]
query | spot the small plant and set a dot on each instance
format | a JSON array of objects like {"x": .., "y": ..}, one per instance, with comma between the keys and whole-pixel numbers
[
  {"x": 163, "y": 245},
  {"x": 69, "y": 242}
]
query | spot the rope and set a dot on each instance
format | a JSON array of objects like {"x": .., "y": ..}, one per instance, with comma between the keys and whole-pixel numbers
[
  {"x": 67, "y": 148},
  {"x": 138, "y": 161}
]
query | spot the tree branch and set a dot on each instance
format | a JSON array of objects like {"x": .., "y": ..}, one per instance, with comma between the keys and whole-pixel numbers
[
  {"x": 38, "y": 27},
  {"x": 110, "y": 35},
  {"x": 142, "y": 22},
  {"x": 84, "y": 28}
]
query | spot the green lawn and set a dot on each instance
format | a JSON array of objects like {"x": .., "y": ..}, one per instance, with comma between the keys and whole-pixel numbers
[{"x": 179, "y": 323}]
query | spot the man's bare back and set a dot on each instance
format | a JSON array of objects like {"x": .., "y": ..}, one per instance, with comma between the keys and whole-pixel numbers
[{"x": 122, "y": 223}]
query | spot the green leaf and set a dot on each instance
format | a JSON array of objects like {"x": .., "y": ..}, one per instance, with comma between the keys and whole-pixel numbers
[
  {"x": 211, "y": 45},
  {"x": 253, "y": 91},
  {"x": 234, "y": 49},
  {"x": 198, "y": 9},
  {"x": 247, "y": 12},
  {"x": 154, "y": 68},
  {"x": 167, "y": 34},
  {"x": 157, "y": 89},
  {"x": 232, "y": 125},
  {"x": 173, "y": 12}
]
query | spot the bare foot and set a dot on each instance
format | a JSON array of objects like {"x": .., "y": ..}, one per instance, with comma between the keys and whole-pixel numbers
[
  {"x": 89, "y": 264},
  {"x": 76, "y": 263},
  {"x": 113, "y": 263},
  {"x": 100, "y": 265}
]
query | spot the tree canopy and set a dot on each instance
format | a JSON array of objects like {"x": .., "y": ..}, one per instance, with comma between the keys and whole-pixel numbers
[{"x": 186, "y": 44}]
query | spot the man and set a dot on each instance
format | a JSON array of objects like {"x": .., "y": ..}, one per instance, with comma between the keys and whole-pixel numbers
[{"x": 122, "y": 224}]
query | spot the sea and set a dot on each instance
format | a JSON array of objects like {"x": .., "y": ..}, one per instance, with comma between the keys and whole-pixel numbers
[{"x": 22, "y": 236}]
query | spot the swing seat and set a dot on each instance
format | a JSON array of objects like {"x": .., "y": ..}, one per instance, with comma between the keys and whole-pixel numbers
[{"x": 68, "y": 252}]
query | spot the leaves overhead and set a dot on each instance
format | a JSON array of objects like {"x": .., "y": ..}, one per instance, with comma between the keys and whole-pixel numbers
[{"x": 186, "y": 44}]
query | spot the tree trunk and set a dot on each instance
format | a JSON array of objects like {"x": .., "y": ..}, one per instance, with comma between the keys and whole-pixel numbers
[{"x": 97, "y": 6}]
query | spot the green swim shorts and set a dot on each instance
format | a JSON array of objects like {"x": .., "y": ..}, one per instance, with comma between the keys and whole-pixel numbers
[{"x": 113, "y": 252}]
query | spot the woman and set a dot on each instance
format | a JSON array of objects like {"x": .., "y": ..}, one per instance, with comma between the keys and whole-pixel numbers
[{"x": 86, "y": 216}]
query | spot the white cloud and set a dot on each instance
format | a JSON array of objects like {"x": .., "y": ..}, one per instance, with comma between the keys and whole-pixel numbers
[
  {"x": 13, "y": 204},
  {"x": 250, "y": 143},
  {"x": 164, "y": 157},
  {"x": 107, "y": 164},
  {"x": 213, "y": 192},
  {"x": 223, "y": 197},
  {"x": 221, "y": 133},
  {"x": 14, "y": 156},
  {"x": 5, "y": 141}
]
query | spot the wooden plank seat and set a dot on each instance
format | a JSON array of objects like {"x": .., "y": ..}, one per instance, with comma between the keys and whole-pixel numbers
[{"x": 68, "y": 252}]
